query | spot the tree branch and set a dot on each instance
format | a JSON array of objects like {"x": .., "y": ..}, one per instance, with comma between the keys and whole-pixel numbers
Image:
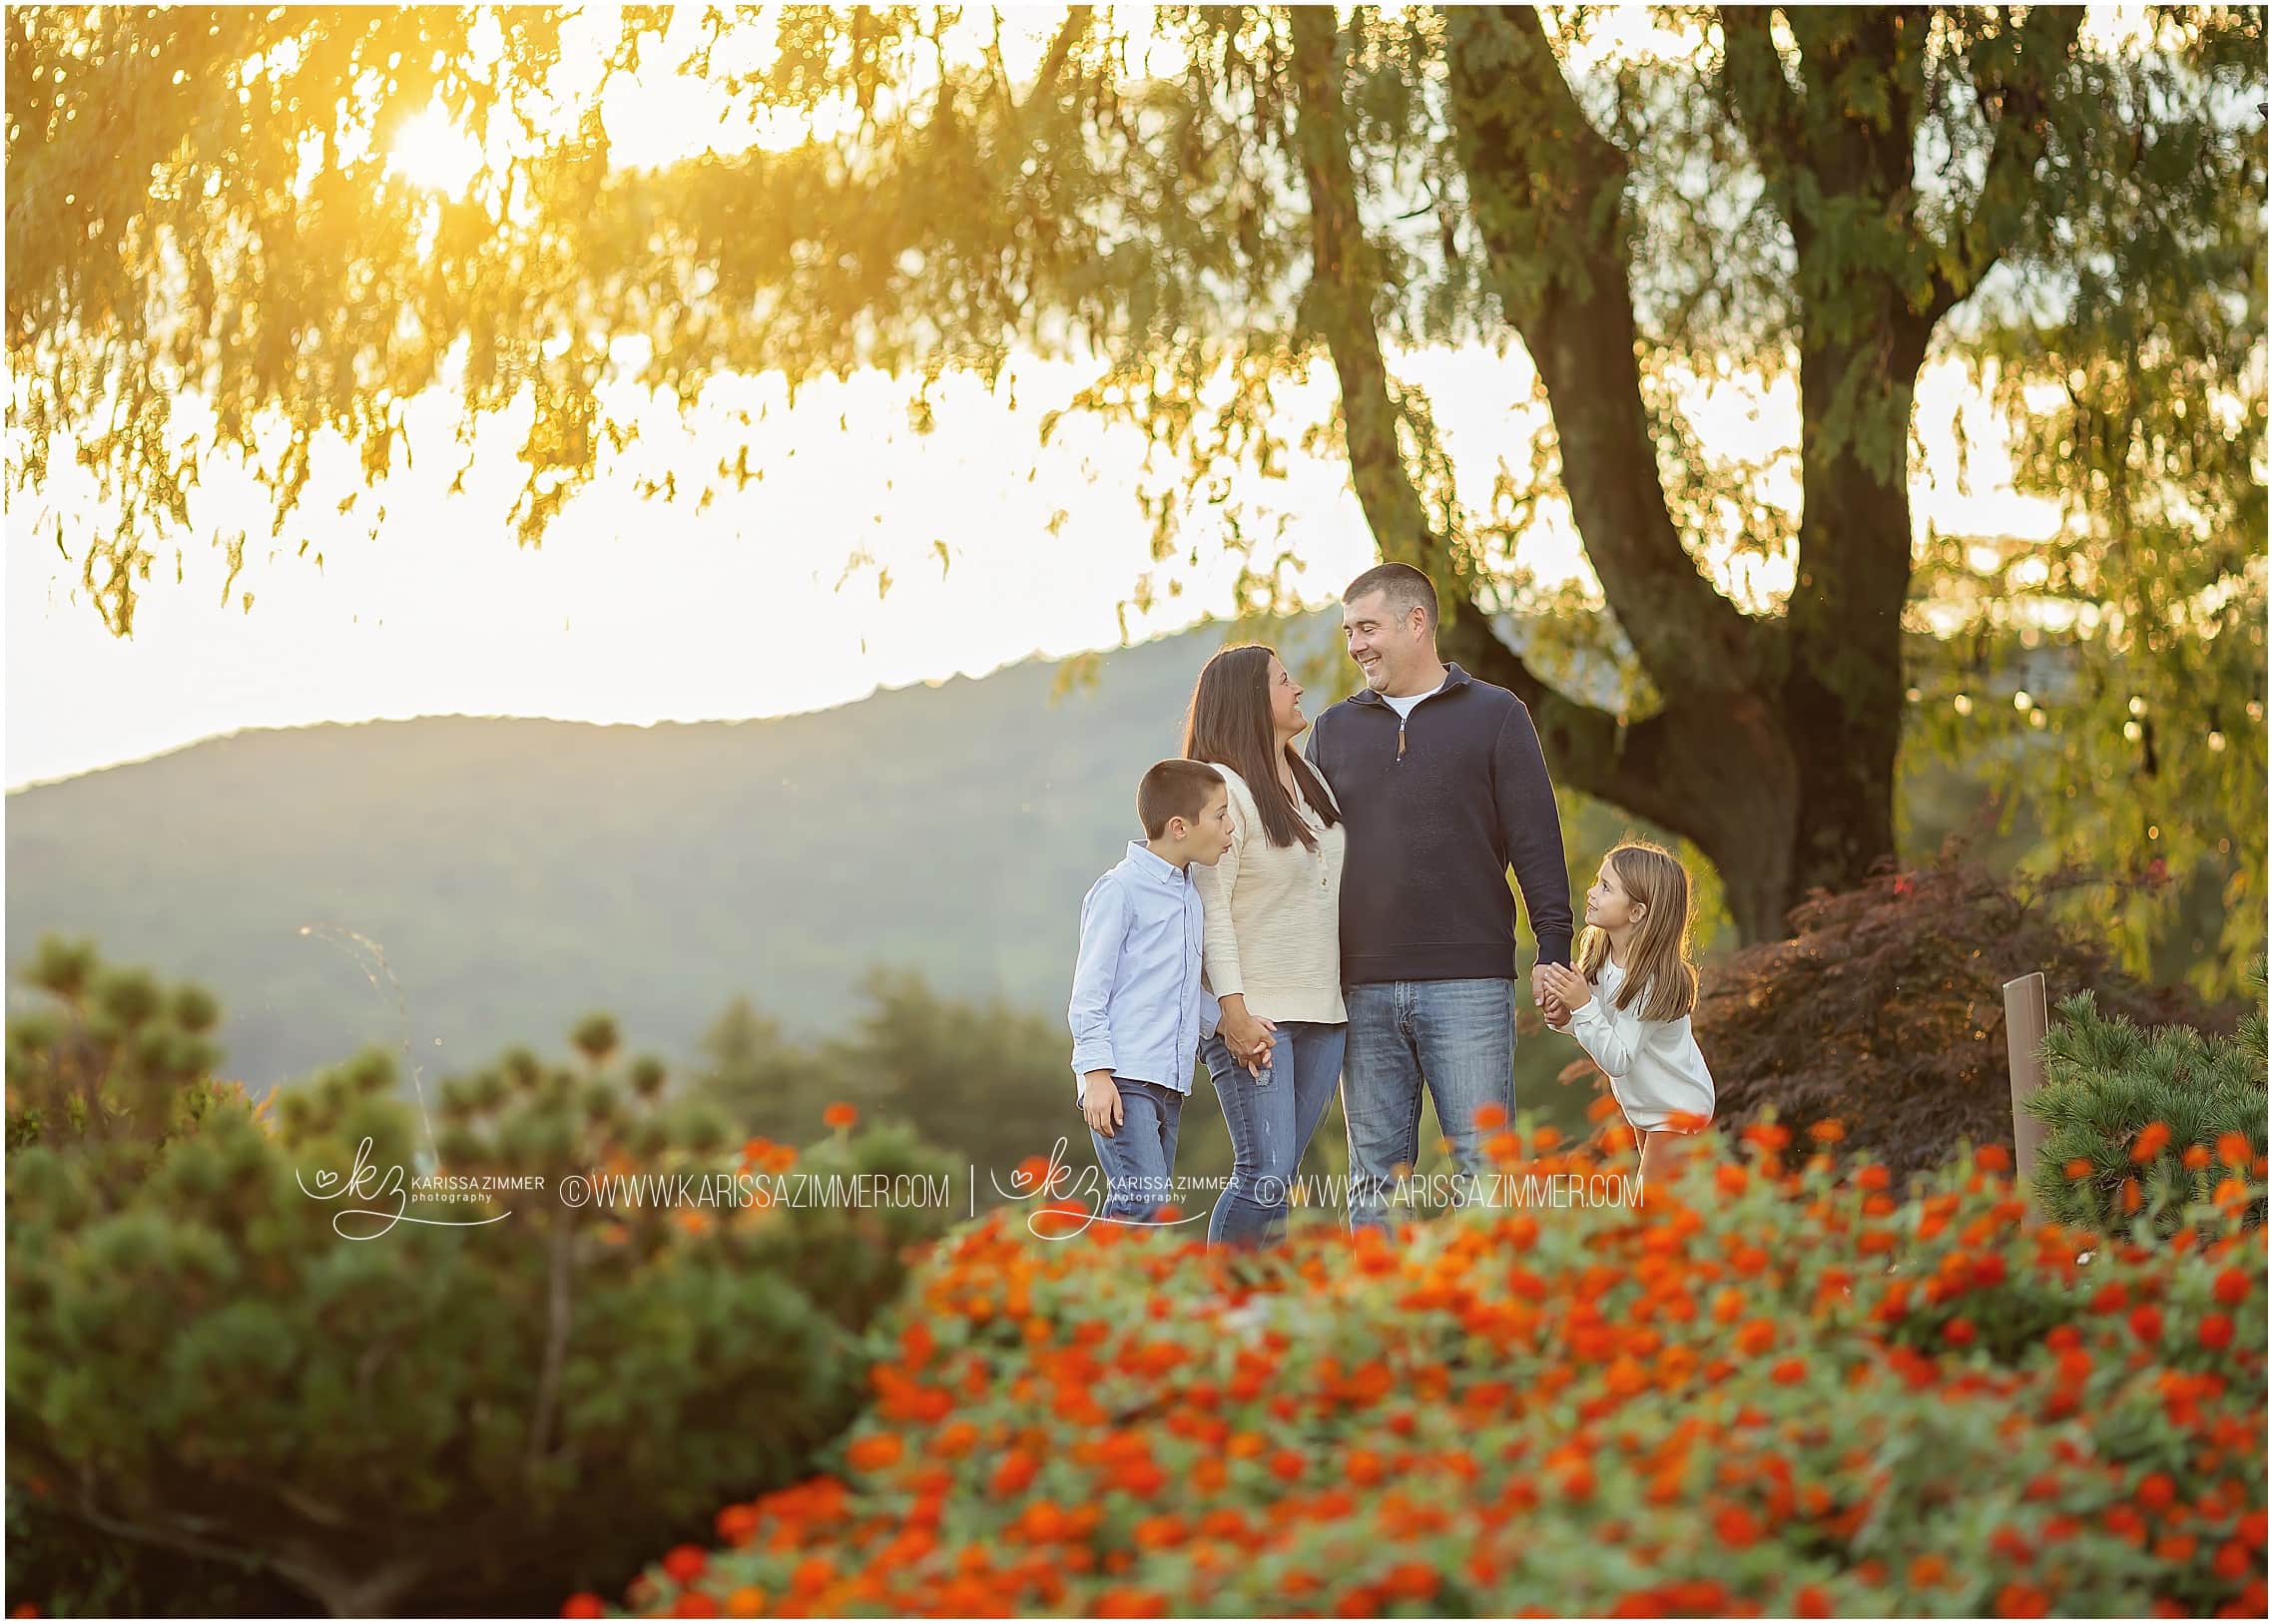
[
  {"x": 2045, "y": 46},
  {"x": 1069, "y": 35},
  {"x": 1547, "y": 190},
  {"x": 1760, "y": 100},
  {"x": 1344, "y": 278}
]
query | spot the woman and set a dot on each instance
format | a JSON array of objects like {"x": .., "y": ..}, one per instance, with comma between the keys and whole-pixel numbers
[{"x": 1272, "y": 951}]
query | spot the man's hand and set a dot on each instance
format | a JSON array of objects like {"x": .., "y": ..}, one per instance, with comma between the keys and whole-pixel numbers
[
  {"x": 1101, "y": 1102},
  {"x": 1539, "y": 990}
]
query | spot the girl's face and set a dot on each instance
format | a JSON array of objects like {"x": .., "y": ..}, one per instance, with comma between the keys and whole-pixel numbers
[
  {"x": 1608, "y": 906},
  {"x": 1287, "y": 718}
]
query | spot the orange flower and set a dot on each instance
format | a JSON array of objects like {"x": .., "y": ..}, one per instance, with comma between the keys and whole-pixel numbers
[
  {"x": 694, "y": 1604},
  {"x": 841, "y": 1115},
  {"x": 581, "y": 1605},
  {"x": 2017, "y": 1600},
  {"x": 2131, "y": 1198},
  {"x": 1016, "y": 1472},
  {"x": 1959, "y": 1331},
  {"x": 2150, "y": 1142},
  {"x": 2078, "y": 1167},
  {"x": 2233, "y": 1148},
  {"x": 1826, "y": 1131},
  {"x": 2198, "y": 1157},
  {"x": 1874, "y": 1178},
  {"x": 2216, "y": 1331},
  {"x": 747, "y": 1602},
  {"x": 874, "y": 1453},
  {"x": 685, "y": 1563},
  {"x": 1489, "y": 1115},
  {"x": 1994, "y": 1159},
  {"x": 2231, "y": 1287}
]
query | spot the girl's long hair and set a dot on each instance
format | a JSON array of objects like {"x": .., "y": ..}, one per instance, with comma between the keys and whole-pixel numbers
[
  {"x": 1228, "y": 722},
  {"x": 1658, "y": 971}
]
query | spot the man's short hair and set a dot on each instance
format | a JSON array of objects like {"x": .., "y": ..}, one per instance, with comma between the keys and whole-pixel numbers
[
  {"x": 1174, "y": 789},
  {"x": 1406, "y": 588}
]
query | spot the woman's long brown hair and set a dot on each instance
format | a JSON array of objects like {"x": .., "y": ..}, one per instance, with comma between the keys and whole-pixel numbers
[
  {"x": 1659, "y": 972},
  {"x": 1228, "y": 722}
]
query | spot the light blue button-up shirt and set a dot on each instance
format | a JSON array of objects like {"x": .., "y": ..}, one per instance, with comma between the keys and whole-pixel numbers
[{"x": 1138, "y": 1008}]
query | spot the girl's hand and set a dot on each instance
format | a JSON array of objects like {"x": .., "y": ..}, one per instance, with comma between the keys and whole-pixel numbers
[
  {"x": 1555, "y": 1013},
  {"x": 1568, "y": 987}
]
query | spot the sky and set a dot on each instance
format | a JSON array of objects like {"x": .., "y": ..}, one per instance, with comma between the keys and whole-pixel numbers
[{"x": 768, "y": 603}]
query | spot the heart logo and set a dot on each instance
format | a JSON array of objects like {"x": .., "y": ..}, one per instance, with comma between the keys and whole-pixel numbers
[{"x": 327, "y": 1179}]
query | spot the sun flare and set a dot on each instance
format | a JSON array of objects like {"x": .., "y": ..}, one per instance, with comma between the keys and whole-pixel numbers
[{"x": 432, "y": 150}]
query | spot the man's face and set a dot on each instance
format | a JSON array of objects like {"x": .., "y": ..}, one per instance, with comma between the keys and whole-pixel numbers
[{"x": 1386, "y": 644}]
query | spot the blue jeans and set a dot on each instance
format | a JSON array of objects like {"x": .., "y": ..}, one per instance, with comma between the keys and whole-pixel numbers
[
  {"x": 1139, "y": 1160},
  {"x": 1457, "y": 1036},
  {"x": 1271, "y": 1118}
]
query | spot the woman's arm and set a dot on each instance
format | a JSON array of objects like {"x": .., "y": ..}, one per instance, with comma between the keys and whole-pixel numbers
[{"x": 1219, "y": 941}]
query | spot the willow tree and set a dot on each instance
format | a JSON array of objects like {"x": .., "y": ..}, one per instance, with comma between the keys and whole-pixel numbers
[{"x": 1208, "y": 211}]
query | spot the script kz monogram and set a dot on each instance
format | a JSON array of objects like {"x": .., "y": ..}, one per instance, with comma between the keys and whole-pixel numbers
[{"x": 365, "y": 1182}]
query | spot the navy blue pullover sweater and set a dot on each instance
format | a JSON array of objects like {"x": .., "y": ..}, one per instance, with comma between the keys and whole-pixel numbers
[{"x": 1436, "y": 807}]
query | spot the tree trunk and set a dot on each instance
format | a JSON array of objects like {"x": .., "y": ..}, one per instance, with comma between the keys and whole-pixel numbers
[{"x": 1843, "y": 698}]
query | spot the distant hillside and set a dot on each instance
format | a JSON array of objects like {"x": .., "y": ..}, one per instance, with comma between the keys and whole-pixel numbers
[{"x": 517, "y": 873}]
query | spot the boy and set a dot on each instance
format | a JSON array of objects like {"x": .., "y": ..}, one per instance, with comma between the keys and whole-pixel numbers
[{"x": 1138, "y": 1010}]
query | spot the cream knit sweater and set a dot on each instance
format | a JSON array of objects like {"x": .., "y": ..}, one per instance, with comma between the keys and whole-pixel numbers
[{"x": 1274, "y": 915}]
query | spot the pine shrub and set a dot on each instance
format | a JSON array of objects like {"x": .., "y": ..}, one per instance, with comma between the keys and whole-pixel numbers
[
  {"x": 201, "y": 1361},
  {"x": 2142, "y": 1122}
]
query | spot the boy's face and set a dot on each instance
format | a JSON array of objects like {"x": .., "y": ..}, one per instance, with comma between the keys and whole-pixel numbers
[{"x": 1205, "y": 842}]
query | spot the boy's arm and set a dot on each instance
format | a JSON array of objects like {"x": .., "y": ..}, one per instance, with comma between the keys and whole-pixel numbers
[
  {"x": 1531, "y": 830},
  {"x": 1104, "y": 922}
]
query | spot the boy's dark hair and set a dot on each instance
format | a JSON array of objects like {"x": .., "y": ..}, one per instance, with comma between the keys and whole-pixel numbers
[
  {"x": 1174, "y": 789},
  {"x": 1408, "y": 589}
]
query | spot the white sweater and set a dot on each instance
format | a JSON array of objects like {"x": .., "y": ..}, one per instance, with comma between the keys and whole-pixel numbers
[
  {"x": 1655, "y": 1067},
  {"x": 1274, "y": 915}
]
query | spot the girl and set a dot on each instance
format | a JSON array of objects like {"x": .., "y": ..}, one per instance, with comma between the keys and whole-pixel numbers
[
  {"x": 1271, "y": 950},
  {"x": 1635, "y": 954}
]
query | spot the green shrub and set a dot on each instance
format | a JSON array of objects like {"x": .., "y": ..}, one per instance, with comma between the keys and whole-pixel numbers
[
  {"x": 491, "y": 1397},
  {"x": 2140, "y": 1122}
]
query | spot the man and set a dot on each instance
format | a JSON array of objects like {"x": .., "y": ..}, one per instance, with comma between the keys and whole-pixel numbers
[{"x": 1442, "y": 786}]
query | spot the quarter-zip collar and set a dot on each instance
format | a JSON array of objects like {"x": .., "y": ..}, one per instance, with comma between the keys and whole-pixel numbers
[{"x": 1455, "y": 677}]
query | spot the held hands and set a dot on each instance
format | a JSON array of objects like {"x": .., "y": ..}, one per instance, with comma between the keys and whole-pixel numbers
[
  {"x": 1563, "y": 991},
  {"x": 1101, "y": 1102},
  {"x": 1250, "y": 1038}
]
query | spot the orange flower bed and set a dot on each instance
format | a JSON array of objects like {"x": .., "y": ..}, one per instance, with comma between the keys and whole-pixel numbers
[{"x": 1774, "y": 1389}]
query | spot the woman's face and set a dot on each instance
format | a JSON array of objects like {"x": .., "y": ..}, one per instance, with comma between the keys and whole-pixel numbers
[{"x": 1287, "y": 717}]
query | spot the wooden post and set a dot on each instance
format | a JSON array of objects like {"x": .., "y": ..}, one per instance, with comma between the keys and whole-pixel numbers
[{"x": 2024, "y": 1022}]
